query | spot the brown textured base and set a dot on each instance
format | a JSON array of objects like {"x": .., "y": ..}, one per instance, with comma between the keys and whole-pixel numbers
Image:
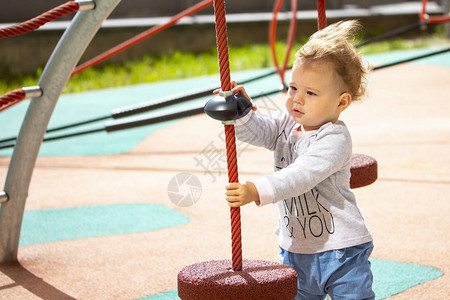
[
  {"x": 258, "y": 280},
  {"x": 364, "y": 170}
]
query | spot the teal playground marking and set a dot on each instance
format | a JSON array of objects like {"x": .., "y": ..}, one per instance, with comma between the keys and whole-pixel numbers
[
  {"x": 389, "y": 57},
  {"x": 50, "y": 225},
  {"x": 390, "y": 278},
  {"x": 172, "y": 295}
]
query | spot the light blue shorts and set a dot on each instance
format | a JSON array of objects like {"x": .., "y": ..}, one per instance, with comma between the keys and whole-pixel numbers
[{"x": 342, "y": 274}]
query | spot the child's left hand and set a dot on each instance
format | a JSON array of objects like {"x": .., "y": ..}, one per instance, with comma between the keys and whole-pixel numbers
[
  {"x": 238, "y": 89},
  {"x": 239, "y": 194}
]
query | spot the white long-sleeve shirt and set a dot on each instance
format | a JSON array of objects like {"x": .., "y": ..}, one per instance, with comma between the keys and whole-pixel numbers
[{"x": 310, "y": 184}]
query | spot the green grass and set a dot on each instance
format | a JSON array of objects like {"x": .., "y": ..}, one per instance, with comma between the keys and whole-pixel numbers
[{"x": 176, "y": 65}]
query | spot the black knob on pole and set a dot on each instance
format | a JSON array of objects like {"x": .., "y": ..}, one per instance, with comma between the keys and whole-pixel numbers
[{"x": 228, "y": 106}]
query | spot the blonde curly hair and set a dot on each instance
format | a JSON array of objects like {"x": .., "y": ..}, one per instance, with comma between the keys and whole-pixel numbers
[{"x": 335, "y": 44}]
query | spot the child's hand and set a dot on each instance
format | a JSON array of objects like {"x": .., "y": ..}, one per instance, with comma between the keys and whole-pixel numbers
[
  {"x": 238, "y": 89},
  {"x": 239, "y": 194}
]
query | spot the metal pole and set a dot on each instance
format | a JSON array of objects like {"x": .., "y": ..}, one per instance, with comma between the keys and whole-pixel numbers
[{"x": 66, "y": 55}]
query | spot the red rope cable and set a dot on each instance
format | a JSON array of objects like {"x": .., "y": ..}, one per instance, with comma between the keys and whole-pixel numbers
[
  {"x": 272, "y": 37},
  {"x": 321, "y": 14},
  {"x": 11, "y": 98},
  {"x": 434, "y": 19},
  {"x": 224, "y": 67},
  {"x": 291, "y": 37},
  {"x": 424, "y": 10},
  {"x": 439, "y": 19},
  {"x": 40, "y": 20},
  {"x": 235, "y": 212},
  {"x": 142, "y": 36},
  {"x": 222, "y": 44}
]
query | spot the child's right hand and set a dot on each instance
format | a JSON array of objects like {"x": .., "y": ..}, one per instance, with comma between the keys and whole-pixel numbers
[
  {"x": 239, "y": 194},
  {"x": 239, "y": 89}
]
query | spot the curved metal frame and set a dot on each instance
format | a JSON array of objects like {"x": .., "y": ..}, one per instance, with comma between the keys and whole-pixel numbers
[{"x": 57, "y": 72}]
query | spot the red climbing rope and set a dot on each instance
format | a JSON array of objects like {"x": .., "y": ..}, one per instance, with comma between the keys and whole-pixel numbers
[
  {"x": 224, "y": 67},
  {"x": 11, "y": 98},
  {"x": 291, "y": 37},
  {"x": 142, "y": 36},
  {"x": 434, "y": 19},
  {"x": 321, "y": 14},
  {"x": 40, "y": 20},
  {"x": 14, "y": 97},
  {"x": 235, "y": 212},
  {"x": 222, "y": 44}
]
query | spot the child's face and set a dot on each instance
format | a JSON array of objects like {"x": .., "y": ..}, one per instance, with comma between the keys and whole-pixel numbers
[{"x": 315, "y": 97}]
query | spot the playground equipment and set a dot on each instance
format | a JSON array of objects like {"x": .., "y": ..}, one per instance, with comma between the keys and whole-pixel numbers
[
  {"x": 44, "y": 97},
  {"x": 225, "y": 279},
  {"x": 54, "y": 77},
  {"x": 51, "y": 15}
]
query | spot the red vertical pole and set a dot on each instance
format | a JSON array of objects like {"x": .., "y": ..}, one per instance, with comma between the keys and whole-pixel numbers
[
  {"x": 321, "y": 14},
  {"x": 222, "y": 49}
]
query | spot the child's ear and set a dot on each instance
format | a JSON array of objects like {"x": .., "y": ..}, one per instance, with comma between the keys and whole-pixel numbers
[{"x": 344, "y": 101}]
